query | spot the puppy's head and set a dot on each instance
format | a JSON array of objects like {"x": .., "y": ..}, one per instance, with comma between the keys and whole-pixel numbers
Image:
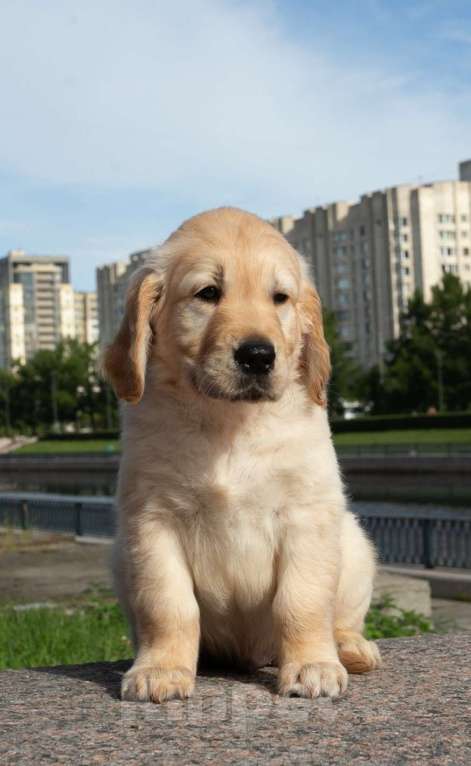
[{"x": 226, "y": 308}]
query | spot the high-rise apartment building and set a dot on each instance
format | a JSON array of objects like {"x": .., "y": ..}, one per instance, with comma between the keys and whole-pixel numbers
[
  {"x": 465, "y": 170},
  {"x": 86, "y": 317},
  {"x": 36, "y": 304},
  {"x": 106, "y": 279},
  {"x": 368, "y": 257},
  {"x": 112, "y": 282}
]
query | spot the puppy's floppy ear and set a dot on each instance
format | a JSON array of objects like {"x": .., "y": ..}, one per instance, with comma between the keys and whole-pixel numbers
[
  {"x": 315, "y": 357},
  {"x": 125, "y": 360}
]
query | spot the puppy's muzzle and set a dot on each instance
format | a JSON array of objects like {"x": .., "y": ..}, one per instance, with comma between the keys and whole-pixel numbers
[{"x": 255, "y": 356}]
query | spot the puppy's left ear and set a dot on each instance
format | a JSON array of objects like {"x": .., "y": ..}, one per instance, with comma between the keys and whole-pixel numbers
[
  {"x": 125, "y": 360},
  {"x": 315, "y": 357}
]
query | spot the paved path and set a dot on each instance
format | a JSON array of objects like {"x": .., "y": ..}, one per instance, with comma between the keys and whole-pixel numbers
[
  {"x": 10, "y": 444},
  {"x": 44, "y": 568},
  {"x": 451, "y": 615},
  {"x": 416, "y": 710},
  {"x": 49, "y": 567}
]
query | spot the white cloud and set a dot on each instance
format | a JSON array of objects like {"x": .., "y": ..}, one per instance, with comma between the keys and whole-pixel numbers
[{"x": 208, "y": 102}]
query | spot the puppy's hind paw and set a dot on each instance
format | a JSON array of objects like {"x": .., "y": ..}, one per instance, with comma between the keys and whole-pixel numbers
[{"x": 356, "y": 653}]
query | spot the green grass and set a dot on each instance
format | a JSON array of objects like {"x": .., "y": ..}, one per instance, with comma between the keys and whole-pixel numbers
[
  {"x": 64, "y": 447},
  {"x": 62, "y": 636},
  {"x": 419, "y": 436},
  {"x": 415, "y": 437},
  {"x": 385, "y": 620},
  {"x": 96, "y": 631}
]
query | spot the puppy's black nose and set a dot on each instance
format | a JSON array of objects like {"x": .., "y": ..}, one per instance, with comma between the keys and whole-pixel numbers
[{"x": 255, "y": 357}]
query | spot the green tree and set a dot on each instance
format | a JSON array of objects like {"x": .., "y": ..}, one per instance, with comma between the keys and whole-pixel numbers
[
  {"x": 429, "y": 365},
  {"x": 7, "y": 383},
  {"x": 60, "y": 387},
  {"x": 345, "y": 373}
]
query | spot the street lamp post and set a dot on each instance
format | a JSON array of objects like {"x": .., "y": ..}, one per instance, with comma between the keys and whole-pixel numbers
[
  {"x": 7, "y": 409},
  {"x": 109, "y": 417},
  {"x": 55, "y": 410},
  {"x": 441, "y": 388}
]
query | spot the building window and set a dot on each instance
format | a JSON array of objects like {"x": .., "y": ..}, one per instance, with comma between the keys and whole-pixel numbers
[
  {"x": 465, "y": 250},
  {"x": 404, "y": 221},
  {"x": 362, "y": 231}
]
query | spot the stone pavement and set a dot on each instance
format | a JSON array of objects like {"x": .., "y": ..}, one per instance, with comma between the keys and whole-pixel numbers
[
  {"x": 415, "y": 710},
  {"x": 409, "y": 593},
  {"x": 451, "y": 615}
]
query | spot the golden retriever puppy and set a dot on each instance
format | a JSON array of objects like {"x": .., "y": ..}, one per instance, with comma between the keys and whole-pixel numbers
[{"x": 233, "y": 533}]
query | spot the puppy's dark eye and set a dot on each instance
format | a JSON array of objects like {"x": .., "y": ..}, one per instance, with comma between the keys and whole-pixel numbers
[
  {"x": 280, "y": 298},
  {"x": 209, "y": 294}
]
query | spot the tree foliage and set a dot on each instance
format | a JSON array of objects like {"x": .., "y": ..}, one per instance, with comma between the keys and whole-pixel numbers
[
  {"x": 55, "y": 388},
  {"x": 429, "y": 365},
  {"x": 345, "y": 373}
]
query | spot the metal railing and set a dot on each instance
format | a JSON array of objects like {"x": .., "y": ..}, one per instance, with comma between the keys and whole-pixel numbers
[
  {"x": 82, "y": 516},
  {"x": 385, "y": 450},
  {"x": 417, "y": 534},
  {"x": 408, "y": 534}
]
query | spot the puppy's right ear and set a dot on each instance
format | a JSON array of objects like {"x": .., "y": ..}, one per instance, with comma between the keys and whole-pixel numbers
[{"x": 125, "y": 360}]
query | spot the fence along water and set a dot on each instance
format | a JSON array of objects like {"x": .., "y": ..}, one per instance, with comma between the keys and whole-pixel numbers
[{"x": 403, "y": 534}]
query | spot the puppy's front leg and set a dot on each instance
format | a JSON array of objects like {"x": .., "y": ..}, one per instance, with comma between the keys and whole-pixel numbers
[
  {"x": 303, "y": 612},
  {"x": 161, "y": 600}
]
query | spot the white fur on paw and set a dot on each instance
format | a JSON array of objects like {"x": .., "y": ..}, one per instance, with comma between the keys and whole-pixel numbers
[
  {"x": 316, "y": 679},
  {"x": 358, "y": 654},
  {"x": 154, "y": 684}
]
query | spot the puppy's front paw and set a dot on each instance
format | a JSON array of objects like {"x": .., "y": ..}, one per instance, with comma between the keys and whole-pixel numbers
[
  {"x": 316, "y": 679},
  {"x": 154, "y": 684}
]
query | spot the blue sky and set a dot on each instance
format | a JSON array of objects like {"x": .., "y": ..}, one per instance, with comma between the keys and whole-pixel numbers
[{"x": 119, "y": 119}]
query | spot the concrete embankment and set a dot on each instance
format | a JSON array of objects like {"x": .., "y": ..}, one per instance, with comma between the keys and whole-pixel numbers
[
  {"x": 437, "y": 478},
  {"x": 445, "y": 479}
]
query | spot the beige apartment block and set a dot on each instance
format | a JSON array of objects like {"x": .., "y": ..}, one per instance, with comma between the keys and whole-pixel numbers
[
  {"x": 12, "y": 328},
  {"x": 36, "y": 305},
  {"x": 112, "y": 282},
  {"x": 86, "y": 317},
  {"x": 369, "y": 256},
  {"x": 65, "y": 327}
]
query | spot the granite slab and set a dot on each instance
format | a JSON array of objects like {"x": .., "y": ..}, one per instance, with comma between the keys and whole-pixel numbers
[{"x": 414, "y": 710}]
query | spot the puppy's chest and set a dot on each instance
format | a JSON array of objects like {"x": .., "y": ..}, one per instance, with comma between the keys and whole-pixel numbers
[
  {"x": 242, "y": 491},
  {"x": 237, "y": 515}
]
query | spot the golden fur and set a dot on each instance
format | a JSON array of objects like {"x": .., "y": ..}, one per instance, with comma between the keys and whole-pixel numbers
[{"x": 233, "y": 533}]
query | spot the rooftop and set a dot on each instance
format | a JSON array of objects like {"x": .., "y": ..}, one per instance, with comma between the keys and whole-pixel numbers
[{"x": 19, "y": 256}]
